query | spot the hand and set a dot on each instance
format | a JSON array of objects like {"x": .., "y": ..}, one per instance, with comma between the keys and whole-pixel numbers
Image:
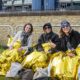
[
  {"x": 71, "y": 55},
  {"x": 20, "y": 49},
  {"x": 53, "y": 45}
]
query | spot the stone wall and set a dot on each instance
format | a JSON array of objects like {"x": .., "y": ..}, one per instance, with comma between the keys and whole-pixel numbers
[
  {"x": 11, "y": 24},
  {"x": 39, "y": 20}
]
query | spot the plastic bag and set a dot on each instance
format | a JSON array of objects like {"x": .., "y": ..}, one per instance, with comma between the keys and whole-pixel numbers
[
  {"x": 26, "y": 74},
  {"x": 15, "y": 67},
  {"x": 40, "y": 73}
]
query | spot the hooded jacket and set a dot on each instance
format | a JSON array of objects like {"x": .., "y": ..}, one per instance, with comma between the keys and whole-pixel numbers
[{"x": 46, "y": 37}]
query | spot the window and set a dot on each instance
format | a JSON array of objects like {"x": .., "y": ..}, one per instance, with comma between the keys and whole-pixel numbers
[
  {"x": 27, "y": 1},
  {"x": 76, "y": 6},
  {"x": 18, "y": 8},
  {"x": 17, "y": 2},
  {"x": 27, "y": 8},
  {"x": 7, "y": 3}
]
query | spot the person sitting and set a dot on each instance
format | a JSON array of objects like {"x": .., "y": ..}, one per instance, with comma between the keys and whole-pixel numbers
[
  {"x": 49, "y": 36},
  {"x": 20, "y": 43}
]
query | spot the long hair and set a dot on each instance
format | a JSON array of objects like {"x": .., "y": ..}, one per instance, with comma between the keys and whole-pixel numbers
[
  {"x": 62, "y": 34},
  {"x": 30, "y": 25}
]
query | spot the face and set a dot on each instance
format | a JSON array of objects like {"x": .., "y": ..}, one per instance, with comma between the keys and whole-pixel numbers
[
  {"x": 47, "y": 29},
  {"x": 27, "y": 28},
  {"x": 66, "y": 29}
]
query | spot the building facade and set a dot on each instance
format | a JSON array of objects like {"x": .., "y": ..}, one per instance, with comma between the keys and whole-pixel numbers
[
  {"x": 0, "y": 5},
  {"x": 17, "y": 5},
  {"x": 69, "y": 5},
  {"x": 39, "y": 5}
]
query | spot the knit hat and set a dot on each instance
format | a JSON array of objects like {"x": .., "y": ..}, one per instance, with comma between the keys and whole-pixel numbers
[{"x": 65, "y": 24}]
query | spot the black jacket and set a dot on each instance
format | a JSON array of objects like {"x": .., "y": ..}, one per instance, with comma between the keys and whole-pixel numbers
[
  {"x": 73, "y": 39},
  {"x": 49, "y": 37},
  {"x": 44, "y": 38}
]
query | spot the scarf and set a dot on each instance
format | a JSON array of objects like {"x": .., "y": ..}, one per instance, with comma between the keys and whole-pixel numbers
[
  {"x": 69, "y": 46},
  {"x": 24, "y": 41}
]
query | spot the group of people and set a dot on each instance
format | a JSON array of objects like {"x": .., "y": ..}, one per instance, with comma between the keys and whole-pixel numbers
[{"x": 68, "y": 39}]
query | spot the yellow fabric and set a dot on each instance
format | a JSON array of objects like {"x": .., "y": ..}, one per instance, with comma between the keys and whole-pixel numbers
[
  {"x": 64, "y": 66},
  {"x": 70, "y": 66},
  {"x": 37, "y": 59},
  {"x": 34, "y": 59},
  {"x": 46, "y": 46},
  {"x": 16, "y": 45},
  {"x": 2, "y": 58},
  {"x": 9, "y": 41},
  {"x": 57, "y": 65},
  {"x": 78, "y": 51},
  {"x": 9, "y": 56},
  {"x": 12, "y": 55}
]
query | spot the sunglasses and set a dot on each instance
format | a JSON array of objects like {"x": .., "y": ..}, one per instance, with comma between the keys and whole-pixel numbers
[
  {"x": 64, "y": 26},
  {"x": 47, "y": 27}
]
